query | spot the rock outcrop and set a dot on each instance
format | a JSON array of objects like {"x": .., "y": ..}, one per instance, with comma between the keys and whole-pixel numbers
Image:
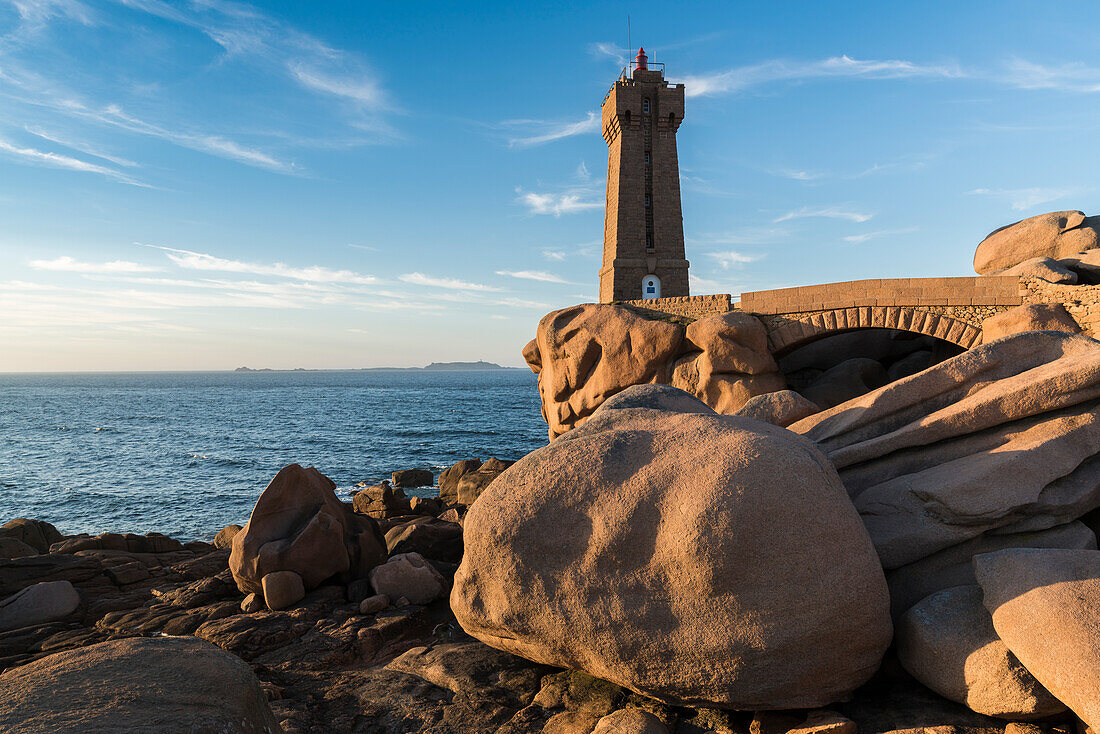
[
  {"x": 473, "y": 483},
  {"x": 38, "y": 534},
  {"x": 1055, "y": 235},
  {"x": 1046, "y": 607},
  {"x": 166, "y": 684},
  {"x": 730, "y": 362},
  {"x": 298, "y": 524},
  {"x": 948, "y": 643},
  {"x": 620, "y": 549},
  {"x": 449, "y": 478},
  {"x": 14, "y": 548},
  {"x": 410, "y": 577},
  {"x": 38, "y": 604},
  {"x": 224, "y": 538},
  {"x": 780, "y": 408},
  {"x": 1044, "y": 268},
  {"x": 1004, "y": 437},
  {"x": 585, "y": 354},
  {"x": 412, "y": 478},
  {"x": 381, "y": 501},
  {"x": 849, "y": 379},
  {"x": 1029, "y": 317}
]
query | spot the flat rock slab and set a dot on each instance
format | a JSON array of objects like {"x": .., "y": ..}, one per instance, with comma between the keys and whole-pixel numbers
[{"x": 1004, "y": 438}]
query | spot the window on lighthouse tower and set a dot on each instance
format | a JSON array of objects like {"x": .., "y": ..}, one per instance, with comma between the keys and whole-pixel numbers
[{"x": 645, "y": 106}]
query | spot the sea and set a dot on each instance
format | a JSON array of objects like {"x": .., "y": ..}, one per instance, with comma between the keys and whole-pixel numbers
[{"x": 187, "y": 453}]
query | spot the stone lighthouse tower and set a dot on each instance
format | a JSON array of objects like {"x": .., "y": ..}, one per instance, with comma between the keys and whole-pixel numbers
[{"x": 643, "y": 231}]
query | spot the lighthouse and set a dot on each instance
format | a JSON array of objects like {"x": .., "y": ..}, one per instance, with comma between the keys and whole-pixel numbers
[{"x": 643, "y": 238}]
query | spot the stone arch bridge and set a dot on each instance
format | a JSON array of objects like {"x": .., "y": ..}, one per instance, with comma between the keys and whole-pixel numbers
[{"x": 951, "y": 309}]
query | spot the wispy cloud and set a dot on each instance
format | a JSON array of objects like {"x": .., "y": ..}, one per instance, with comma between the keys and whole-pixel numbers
[
  {"x": 905, "y": 163},
  {"x": 242, "y": 30},
  {"x": 569, "y": 202},
  {"x": 798, "y": 175},
  {"x": 1074, "y": 77},
  {"x": 546, "y": 131},
  {"x": 748, "y": 235},
  {"x": 38, "y": 12},
  {"x": 56, "y": 160},
  {"x": 858, "y": 238},
  {"x": 71, "y": 265},
  {"x": 732, "y": 258},
  {"x": 314, "y": 273},
  {"x": 1021, "y": 199},
  {"x": 538, "y": 275},
  {"x": 555, "y": 255},
  {"x": 113, "y": 115},
  {"x": 828, "y": 212},
  {"x": 360, "y": 89},
  {"x": 743, "y": 78},
  {"x": 605, "y": 49},
  {"x": 449, "y": 283},
  {"x": 286, "y": 60},
  {"x": 80, "y": 146}
]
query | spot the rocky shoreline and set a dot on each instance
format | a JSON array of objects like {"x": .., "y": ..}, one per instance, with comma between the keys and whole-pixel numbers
[{"x": 343, "y": 657}]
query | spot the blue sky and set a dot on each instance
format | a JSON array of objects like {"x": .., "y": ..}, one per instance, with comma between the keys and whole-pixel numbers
[{"x": 201, "y": 185}]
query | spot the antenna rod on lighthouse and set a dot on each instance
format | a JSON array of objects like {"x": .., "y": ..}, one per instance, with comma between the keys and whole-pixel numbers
[{"x": 629, "y": 45}]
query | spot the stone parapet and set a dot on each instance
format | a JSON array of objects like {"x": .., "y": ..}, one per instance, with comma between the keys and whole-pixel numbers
[
  {"x": 1002, "y": 290},
  {"x": 689, "y": 307}
]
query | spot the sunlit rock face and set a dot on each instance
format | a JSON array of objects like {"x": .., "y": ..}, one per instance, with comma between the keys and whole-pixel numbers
[
  {"x": 585, "y": 354},
  {"x": 1055, "y": 235},
  {"x": 697, "y": 558}
]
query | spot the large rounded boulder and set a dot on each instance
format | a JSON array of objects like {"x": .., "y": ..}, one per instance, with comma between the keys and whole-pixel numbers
[
  {"x": 696, "y": 558},
  {"x": 300, "y": 525}
]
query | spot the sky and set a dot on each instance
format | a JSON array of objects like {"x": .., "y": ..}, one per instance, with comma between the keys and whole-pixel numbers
[{"x": 208, "y": 184}]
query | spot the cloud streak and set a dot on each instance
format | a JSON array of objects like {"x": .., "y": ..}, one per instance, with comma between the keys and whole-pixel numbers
[
  {"x": 744, "y": 78},
  {"x": 68, "y": 264},
  {"x": 569, "y": 202},
  {"x": 538, "y": 275},
  {"x": 1027, "y": 198},
  {"x": 449, "y": 283},
  {"x": 549, "y": 131},
  {"x": 732, "y": 258},
  {"x": 1076, "y": 77},
  {"x": 859, "y": 238},
  {"x": 828, "y": 212},
  {"x": 313, "y": 273},
  {"x": 56, "y": 160}
]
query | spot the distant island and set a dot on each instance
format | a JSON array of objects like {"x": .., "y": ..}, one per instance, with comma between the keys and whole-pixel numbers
[
  {"x": 435, "y": 366},
  {"x": 463, "y": 366}
]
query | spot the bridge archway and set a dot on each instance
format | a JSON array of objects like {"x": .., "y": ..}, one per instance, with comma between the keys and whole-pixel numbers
[{"x": 796, "y": 330}]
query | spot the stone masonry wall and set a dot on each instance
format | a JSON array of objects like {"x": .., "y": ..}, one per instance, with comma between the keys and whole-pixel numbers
[{"x": 1081, "y": 301}]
